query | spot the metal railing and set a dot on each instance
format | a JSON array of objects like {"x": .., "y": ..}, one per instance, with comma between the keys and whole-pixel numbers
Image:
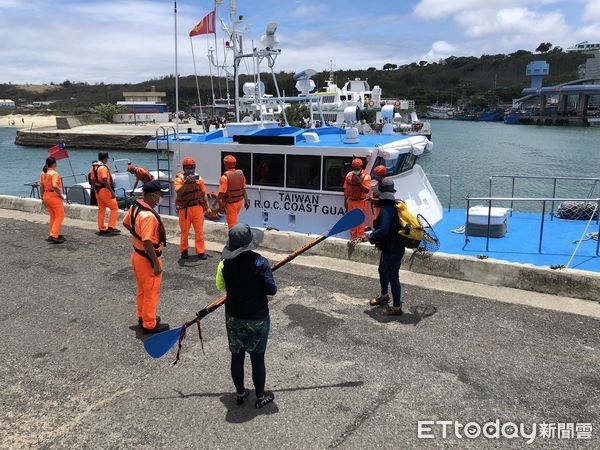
[
  {"x": 534, "y": 177},
  {"x": 489, "y": 200},
  {"x": 443, "y": 175}
]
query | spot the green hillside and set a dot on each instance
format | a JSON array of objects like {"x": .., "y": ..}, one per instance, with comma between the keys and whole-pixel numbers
[{"x": 478, "y": 81}]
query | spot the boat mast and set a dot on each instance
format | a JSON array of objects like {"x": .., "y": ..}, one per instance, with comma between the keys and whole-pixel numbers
[
  {"x": 237, "y": 51},
  {"x": 176, "y": 91}
]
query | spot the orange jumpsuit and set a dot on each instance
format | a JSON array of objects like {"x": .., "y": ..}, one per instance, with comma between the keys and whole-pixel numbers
[
  {"x": 148, "y": 284},
  {"x": 232, "y": 205},
  {"x": 105, "y": 200},
  {"x": 52, "y": 201},
  {"x": 357, "y": 199},
  {"x": 191, "y": 213}
]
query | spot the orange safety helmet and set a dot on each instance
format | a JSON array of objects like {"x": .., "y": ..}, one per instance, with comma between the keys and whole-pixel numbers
[
  {"x": 229, "y": 161},
  {"x": 187, "y": 161},
  {"x": 130, "y": 168},
  {"x": 380, "y": 171},
  {"x": 357, "y": 163}
]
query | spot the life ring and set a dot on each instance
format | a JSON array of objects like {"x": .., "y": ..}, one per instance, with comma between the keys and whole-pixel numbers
[
  {"x": 397, "y": 103},
  {"x": 213, "y": 210}
]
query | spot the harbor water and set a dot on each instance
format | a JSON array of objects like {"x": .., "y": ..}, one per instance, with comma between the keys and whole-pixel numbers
[{"x": 468, "y": 151}]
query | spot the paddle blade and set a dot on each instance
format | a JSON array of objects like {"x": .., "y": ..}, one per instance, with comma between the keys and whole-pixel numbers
[
  {"x": 159, "y": 344},
  {"x": 350, "y": 220}
]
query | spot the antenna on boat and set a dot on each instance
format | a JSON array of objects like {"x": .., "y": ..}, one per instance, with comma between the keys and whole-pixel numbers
[{"x": 176, "y": 93}]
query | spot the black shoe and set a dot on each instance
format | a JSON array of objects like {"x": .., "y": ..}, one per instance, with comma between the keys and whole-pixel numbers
[
  {"x": 60, "y": 236},
  {"x": 158, "y": 328},
  {"x": 242, "y": 398},
  {"x": 141, "y": 322},
  {"x": 185, "y": 254},
  {"x": 113, "y": 231},
  {"x": 103, "y": 232},
  {"x": 54, "y": 240},
  {"x": 268, "y": 397},
  {"x": 201, "y": 256}
]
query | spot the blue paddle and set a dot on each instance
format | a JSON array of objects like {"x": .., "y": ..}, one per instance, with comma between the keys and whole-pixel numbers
[{"x": 159, "y": 344}]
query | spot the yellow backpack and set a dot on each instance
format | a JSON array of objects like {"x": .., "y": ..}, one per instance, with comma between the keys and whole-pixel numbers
[{"x": 411, "y": 231}]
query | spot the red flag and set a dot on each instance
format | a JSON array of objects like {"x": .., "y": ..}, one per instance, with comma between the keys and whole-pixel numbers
[
  {"x": 205, "y": 26},
  {"x": 59, "y": 151}
]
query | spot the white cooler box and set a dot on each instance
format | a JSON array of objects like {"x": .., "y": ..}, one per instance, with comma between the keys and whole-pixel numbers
[{"x": 478, "y": 221}]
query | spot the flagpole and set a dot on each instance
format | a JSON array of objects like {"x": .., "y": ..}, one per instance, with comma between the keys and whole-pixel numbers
[
  {"x": 177, "y": 92},
  {"x": 212, "y": 86},
  {"x": 216, "y": 50},
  {"x": 197, "y": 85}
]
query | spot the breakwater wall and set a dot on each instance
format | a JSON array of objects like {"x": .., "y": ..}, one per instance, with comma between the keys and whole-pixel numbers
[
  {"x": 568, "y": 282},
  {"x": 50, "y": 137}
]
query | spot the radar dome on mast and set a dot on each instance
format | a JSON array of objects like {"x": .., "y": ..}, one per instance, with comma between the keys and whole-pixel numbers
[
  {"x": 304, "y": 84},
  {"x": 269, "y": 40}
]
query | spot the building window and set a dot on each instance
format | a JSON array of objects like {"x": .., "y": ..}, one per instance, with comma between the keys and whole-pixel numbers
[
  {"x": 334, "y": 172},
  {"x": 242, "y": 162},
  {"x": 267, "y": 169},
  {"x": 303, "y": 172}
]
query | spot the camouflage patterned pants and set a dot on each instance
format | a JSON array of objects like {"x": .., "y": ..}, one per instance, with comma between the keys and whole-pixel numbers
[{"x": 247, "y": 335}]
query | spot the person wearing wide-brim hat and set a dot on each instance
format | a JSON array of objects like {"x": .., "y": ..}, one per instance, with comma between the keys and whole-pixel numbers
[
  {"x": 385, "y": 237},
  {"x": 248, "y": 279}
]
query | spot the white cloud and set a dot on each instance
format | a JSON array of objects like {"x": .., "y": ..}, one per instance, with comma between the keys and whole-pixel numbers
[
  {"x": 437, "y": 9},
  {"x": 591, "y": 12},
  {"x": 440, "y": 50},
  {"x": 513, "y": 22}
]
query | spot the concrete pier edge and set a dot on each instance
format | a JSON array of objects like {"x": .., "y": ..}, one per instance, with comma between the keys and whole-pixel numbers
[{"x": 567, "y": 282}]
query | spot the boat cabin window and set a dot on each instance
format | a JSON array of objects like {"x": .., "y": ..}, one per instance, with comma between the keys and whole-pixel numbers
[
  {"x": 303, "y": 172},
  {"x": 391, "y": 165},
  {"x": 243, "y": 162},
  {"x": 267, "y": 169},
  {"x": 409, "y": 162},
  {"x": 334, "y": 171}
]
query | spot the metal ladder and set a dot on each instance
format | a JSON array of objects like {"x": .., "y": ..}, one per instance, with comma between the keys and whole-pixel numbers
[{"x": 163, "y": 164}]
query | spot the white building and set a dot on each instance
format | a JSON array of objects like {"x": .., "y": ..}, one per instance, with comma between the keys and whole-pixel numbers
[{"x": 7, "y": 104}]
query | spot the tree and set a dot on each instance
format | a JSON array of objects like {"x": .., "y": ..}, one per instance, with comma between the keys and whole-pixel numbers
[
  {"x": 423, "y": 63},
  {"x": 544, "y": 47},
  {"x": 296, "y": 113},
  {"x": 390, "y": 66},
  {"x": 371, "y": 69},
  {"x": 107, "y": 110}
]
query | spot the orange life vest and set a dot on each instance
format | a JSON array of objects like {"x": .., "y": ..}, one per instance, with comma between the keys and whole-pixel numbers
[
  {"x": 95, "y": 182},
  {"x": 143, "y": 175},
  {"x": 235, "y": 186},
  {"x": 138, "y": 245},
  {"x": 189, "y": 195},
  {"x": 353, "y": 191}
]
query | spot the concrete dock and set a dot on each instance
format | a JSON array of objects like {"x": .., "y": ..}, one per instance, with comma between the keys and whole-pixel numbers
[
  {"x": 75, "y": 373},
  {"x": 101, "y": 136}
]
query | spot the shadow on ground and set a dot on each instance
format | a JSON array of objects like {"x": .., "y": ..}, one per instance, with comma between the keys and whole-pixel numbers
[{"x": 413, "y": 316}]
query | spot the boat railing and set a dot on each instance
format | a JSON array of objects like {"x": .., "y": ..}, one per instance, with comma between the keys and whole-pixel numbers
[
  {"x": 555, "y": 181},
  {"x": 543, "y": 200},
  {"x": 449, "y": 177}
]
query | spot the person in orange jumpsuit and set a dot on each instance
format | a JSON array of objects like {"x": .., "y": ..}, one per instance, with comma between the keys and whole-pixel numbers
[
  {"x": 142, "y": 175},
  {"x": 191, "y": 202},
  {"x": 149, "y": 238},
  {"x": 104, "y": 187},
  {"x": 357, "y": 186},
  {"x": 380, "y": 172},
  {"x": 232, "y": 191},
  {"x": 53, "y": 199}
]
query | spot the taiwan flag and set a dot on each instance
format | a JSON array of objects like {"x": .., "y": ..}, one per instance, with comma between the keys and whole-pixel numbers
[
  {"x": 59, "y": 151},
  {"x": 205, "y": 26}
]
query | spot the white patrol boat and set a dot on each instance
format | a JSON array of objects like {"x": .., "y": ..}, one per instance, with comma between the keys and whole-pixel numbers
[{"x": 294, "y": 176}]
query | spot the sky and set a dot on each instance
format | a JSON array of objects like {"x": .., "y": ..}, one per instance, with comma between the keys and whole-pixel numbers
[{"x": 128, "y": 41}]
